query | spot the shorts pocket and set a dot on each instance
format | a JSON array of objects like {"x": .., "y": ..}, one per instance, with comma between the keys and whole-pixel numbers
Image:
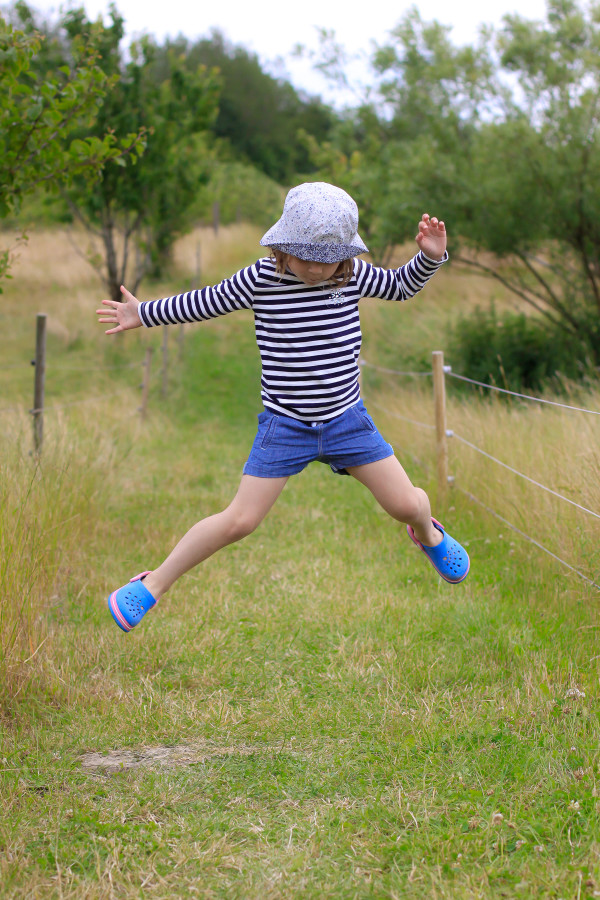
[
  {"x": 364, "y": 419},
  {"x": 269, "y": 432}
]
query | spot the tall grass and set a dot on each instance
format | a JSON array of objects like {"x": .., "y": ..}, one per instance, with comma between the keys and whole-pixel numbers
[
  {"x": 50, "y": 520},
  {"x": 53, "y": 508},
  {"x": 557, "y": 448}
]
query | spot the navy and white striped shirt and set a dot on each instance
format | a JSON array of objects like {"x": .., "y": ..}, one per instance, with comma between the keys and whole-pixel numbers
[{"x": 308, "y": 336}]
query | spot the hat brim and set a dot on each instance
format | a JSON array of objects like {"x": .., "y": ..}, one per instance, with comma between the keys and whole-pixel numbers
[{"x": 324, "y": 253}]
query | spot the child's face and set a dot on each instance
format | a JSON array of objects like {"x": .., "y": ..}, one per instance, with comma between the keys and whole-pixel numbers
[{"x": 311, "y": 272}]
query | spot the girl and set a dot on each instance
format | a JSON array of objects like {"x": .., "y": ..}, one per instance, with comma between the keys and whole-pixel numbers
[{"x": 305, "y": 303}]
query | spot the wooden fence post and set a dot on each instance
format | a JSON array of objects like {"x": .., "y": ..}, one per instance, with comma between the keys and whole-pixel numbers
[
  {"x": 39, "y": 383},
  {"x": 165, "y": 360},
  {"x": 146, "y": 383},
  {"x": 195, "y": 279},
  {"x": 439, "y": 400}
]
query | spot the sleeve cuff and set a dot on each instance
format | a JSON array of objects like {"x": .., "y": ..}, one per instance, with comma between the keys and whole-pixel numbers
[
  {"x": 139, "y": 312},
  {"x": 437, "y": 262}
]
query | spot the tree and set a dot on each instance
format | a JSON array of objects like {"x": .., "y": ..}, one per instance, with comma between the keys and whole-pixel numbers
[
  {"x": 502, "y": 139},
  {"x": 537, "y": 171},
  {"x": 143, "y": 208},
  {"x": 405, "y": 149},
  {"x": 39, "y": 117},
  {"x": 259, "y": 115}
]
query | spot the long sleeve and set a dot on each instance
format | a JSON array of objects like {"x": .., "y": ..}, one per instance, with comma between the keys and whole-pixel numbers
[
  {"x": 233, "y": 293},
  {"x": 396, "y": 284}
]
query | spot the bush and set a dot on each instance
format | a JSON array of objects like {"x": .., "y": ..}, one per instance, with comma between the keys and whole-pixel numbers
[{"x": 517, "y": 351}]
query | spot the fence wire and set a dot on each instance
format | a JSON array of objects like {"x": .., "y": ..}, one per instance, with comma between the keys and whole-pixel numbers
[
  {"x": 83, "y": 368},
  {"x": 11, "y": 408},
  {"x": 396, "y": 415},
  {"x": 95, "y": 399},
  {"x": 522, "y": 475},
  {"x": 363, "y": 362},
  {"x": 493, "y": 387},
  {"x": 52, "y": 368},
  {"x": 20, "y": 365},
  {"x": 525, "y": 535}
]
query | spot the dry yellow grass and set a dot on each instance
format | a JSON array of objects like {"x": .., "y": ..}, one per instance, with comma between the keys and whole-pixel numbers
[
  {"x": 52, "y": 275},
  {"x": 50, "y": 515},
  {"x": 558, "y": 448},
  {"x": 57, "y": 256},
  {"x": 219, "y": 253}
]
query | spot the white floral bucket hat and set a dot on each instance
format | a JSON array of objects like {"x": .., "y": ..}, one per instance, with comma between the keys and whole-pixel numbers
[{"x": 319, "y": 223}]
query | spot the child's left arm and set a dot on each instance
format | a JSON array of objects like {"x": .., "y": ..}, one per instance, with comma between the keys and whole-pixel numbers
[
  {"x": 431, "y": 237},
  {"x": 409, "y": 279}
]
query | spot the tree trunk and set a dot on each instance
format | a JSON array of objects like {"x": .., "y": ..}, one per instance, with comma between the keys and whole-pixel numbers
[{"x": 112, "y": 272}]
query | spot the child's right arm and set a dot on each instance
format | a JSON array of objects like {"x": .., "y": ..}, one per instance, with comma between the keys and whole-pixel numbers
[
  {"x": 124, "y": 314},
  {"x": 231, "y": 294},
  {"x": 234, "y": 293}
]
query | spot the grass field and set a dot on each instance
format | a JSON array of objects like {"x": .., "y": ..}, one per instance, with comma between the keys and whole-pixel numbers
[{"x": 312, "y": 713}]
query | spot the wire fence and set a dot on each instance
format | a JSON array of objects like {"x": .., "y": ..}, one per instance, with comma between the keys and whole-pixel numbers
[
  {"x": 493, "y": 387},
  {"x": 363, "y": 362},
  {"x": 443, "y": 433}
]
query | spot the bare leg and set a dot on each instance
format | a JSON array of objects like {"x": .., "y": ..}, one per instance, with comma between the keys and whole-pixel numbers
[
  {"x": 254, "y": 499},
  {"x": 394, "y": 491}
]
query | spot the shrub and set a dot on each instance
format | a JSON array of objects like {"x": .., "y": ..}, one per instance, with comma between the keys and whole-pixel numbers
[{"x": 517, "y": 351}]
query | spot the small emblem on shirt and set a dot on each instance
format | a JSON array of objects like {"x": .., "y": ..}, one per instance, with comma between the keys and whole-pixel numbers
[{"x": 336, "y": 298}]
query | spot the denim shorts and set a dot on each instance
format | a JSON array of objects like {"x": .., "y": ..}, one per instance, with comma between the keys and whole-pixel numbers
[{"x": 284, "y": 446}]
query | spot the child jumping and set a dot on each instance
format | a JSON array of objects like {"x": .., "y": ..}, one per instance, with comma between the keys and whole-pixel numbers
[{"x": 304, "y": 297}]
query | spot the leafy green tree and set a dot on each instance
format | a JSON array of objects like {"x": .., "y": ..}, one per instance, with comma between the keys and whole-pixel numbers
[
  {"x": 535, "y": 200},
  {"x": 140, "y": 210},
  {"x": 39, "y": 118},
  {"x": 405, "y": 149},
  {"x": 242, "y": 192},
  {"x": 259, "y": 115},
  {"x": 502, "y": 139}
]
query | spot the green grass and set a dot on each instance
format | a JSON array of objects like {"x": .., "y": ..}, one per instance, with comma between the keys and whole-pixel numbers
[{"x": 348, "y": 726}]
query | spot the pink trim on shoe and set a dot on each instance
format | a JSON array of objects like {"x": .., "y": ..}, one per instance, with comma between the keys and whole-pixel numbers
[
  {"x": 140, "y": 576},
  {"x": 117, "y": 612}
]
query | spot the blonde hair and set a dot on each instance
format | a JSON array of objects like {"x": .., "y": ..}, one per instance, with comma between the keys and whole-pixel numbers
[{"x": 341, "y": 276}]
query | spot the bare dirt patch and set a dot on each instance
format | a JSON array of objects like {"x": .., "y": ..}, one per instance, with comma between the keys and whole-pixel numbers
[{"x": 166, "y": 757}]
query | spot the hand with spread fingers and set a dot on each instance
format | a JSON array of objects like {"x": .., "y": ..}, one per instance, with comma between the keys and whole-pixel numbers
[
  {"x": 122, "y": 315},
  {"x": 431, "y": 237}
]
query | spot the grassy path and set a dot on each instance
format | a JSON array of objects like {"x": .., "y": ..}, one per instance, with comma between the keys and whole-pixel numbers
[{"x": 313, "y": 713}]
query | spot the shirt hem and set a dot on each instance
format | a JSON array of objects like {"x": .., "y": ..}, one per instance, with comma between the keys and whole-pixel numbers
[{"x": 280, "y": 411}]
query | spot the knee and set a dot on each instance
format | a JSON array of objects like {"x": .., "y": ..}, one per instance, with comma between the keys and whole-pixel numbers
[
  {"x": 240, "y": 524},
  {"x": 410, "y": 506}
]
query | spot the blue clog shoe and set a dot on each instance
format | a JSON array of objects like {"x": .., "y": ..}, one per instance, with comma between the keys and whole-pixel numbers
[
  {"x": 449, "y": 559},
  {"x": 129, "y": 604}
]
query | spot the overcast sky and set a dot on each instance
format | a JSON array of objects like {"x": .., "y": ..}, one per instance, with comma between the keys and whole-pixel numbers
[{"x": 273, "y": 29}]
